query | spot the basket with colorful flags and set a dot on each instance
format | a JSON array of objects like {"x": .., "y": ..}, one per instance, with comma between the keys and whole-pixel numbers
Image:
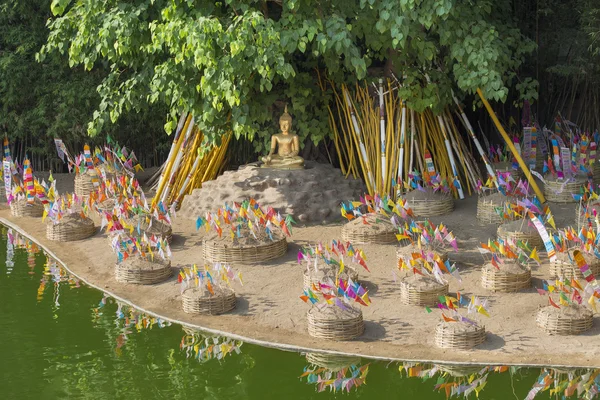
[
  {"x": 422, "y": 290},
  {"x": 140, "y": 270},
  {"x": 423, "y": 238},
  {"x": 27, "y": 197},
  {"x": 570, "y": 318},
  {"x": 334, "y": 372},
  {"x": 150, "y": 224},
  {"x": 428, "y": 198},
  {"x": 334, "y": 314},
  {"x": 566, "y": 170},
  {"x": 565, "y": 267},
  {"x": 373, "y": 219},
  {"x": 494, "y": 196},
  {"x": 456, "y": 331},
  {"x": 20, "y": 207},
  {"x": 506, "y": 268},
  {"x": 326, "y": 263},
  {"x": 562, "y": 190},
  {"x": 521, "y": 230},
  {"x": 141, "y": 260},
  {"x": 565, "y": 242},
  {"x": 529, "y": 224},
  {"x": 573, "y": 313},
  {"x": 426, "y": 262},
  {"x": 70, "y": 227},
  {"x": 244, "y": 233},
  {"x": 67, "y": 219},
  {"x": 208, "y": 292}
]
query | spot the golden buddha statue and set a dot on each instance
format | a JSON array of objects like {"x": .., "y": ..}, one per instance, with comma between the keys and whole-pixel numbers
[{"x": 287, "y": 145}]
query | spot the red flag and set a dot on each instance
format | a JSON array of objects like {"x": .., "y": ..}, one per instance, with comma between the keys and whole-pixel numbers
[
  {"x": 553, "y": 304},
  {"x": 576, "y": 296}
]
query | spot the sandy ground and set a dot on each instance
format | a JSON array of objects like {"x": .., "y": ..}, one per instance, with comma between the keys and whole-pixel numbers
[{"x": 269, "y": 307}]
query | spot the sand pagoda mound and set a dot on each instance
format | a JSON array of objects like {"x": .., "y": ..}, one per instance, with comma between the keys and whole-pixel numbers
[{"x": 309, "y": 195}]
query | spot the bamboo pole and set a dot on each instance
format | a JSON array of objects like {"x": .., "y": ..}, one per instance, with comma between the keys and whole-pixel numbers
[
  {"x": 512, "y": 148},
  {"x": 382, "y": 131},
  {"x": 169, "y": 163}
]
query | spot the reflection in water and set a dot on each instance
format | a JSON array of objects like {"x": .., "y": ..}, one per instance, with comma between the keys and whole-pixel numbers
[
  {"x": 463, "y": 380},
  {"x": 334, "y": 372},
  {"x": 204, "y": 347},
  {"x": 127, "y": 320},
  {"x": 582, "y": 383},
  {"x": 16, "y": 240},
  {"x": 454, "y": 380}
]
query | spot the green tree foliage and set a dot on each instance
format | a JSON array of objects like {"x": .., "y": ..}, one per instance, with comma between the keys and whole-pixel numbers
[
  {"x": 40, "y": 101},
  {"x": 235, "y": 63}
]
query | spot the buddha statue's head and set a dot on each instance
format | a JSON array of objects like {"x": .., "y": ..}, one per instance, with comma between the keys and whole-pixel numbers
[{"x": 285, "y": 121}]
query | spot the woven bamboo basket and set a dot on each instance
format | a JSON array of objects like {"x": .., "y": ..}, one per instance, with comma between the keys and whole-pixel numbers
[
  {"x": 21, "y": 208},
  {"x": 223, "y": 249},
  {"x": 511, "y": 277},
  {"x": 83, "y": 184},
  {"x": 327, "y": 273},
  {"x": 406, "y": 251},
  {"x": 458, "y": 335},
  {"x": 486, "y": 208},
  {"x": 331, "y": 362},
  {"x": 565, "y": 267},
  {"x": 571, "y": 320},
  {"x": 553, "y": 186},
  {"x": 419, "y": 290},
  {"x": 198, "y": 300},
  {"x": 138, "y": 270},
  {"x": 335, "y": 323},
  {"x": 521, "y": 230},
  {"x": 378, "y": 229},
  {"x": 429, "y": 203},
  {"x": 506, "y": 166},
  {"x": 106, "y": 206},
  {"x": 151, "y": 226},
  {"x": 459, "y": 370},
  {"x": 69, "y": 228},
  {"x": 580, "y": 211}
]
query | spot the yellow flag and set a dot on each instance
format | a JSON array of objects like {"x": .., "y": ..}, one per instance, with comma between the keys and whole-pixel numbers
[
  {"x": 341, "y": 267},
  {"x": 482, "y": 310},
  {"x": 534, "y": 255},
  {"x": 551, "y": 220},
  {"x": 592, "y": 302}
]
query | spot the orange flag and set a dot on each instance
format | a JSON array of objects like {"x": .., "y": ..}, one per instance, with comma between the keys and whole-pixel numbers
[{"x": 448, "y": 319}]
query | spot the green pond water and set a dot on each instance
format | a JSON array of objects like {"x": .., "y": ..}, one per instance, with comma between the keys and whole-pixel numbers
[{"x": 62, "y": 340}]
